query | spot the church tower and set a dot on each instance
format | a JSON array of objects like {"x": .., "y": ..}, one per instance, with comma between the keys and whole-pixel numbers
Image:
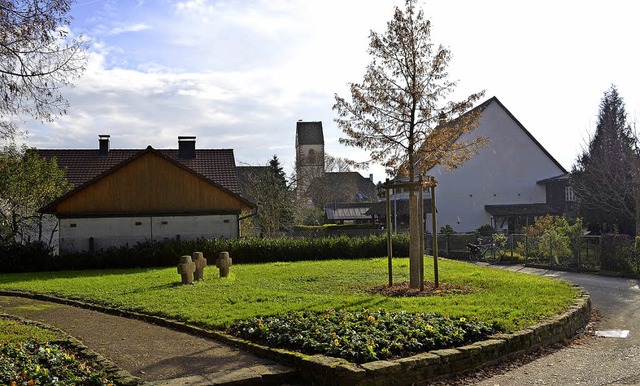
[{"x": 309, "y": 153}]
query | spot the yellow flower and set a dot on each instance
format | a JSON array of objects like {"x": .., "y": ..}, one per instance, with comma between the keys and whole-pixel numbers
[
  {"x": 336, "y": 342},
  {"x": 463, "y": 319}
]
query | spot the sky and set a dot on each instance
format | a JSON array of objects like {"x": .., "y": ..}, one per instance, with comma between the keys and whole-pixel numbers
[{"x": 239, "y": 74}]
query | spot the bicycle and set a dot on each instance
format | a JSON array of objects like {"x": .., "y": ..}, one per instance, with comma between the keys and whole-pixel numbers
[{"x": 491, "y": 252}]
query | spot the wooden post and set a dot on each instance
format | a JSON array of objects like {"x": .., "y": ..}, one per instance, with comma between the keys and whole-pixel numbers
[
  {"x": 389, "y": 240},
  {"x": 421, "y": 213},
  {"x": 435, "y": 233}
]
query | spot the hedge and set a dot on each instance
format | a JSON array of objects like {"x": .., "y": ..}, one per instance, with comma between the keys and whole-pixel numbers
[{"x": 37, "y": 257}]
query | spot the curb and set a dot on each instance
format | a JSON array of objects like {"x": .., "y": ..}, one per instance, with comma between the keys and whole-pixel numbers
[{"x": 329, "y": 371}]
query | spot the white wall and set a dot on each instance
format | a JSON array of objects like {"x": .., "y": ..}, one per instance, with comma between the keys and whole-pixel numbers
[
  {"x": 115, "y": 231},
  {"x": 505, "y": 172}
]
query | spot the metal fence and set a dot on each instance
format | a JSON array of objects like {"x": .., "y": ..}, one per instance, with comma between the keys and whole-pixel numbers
[{"x": 609, "y": 253}]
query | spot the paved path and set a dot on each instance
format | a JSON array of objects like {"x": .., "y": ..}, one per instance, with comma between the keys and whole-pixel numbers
[
  {"x": 146, "y": 350},
  {"x": 597, "y": 361}
]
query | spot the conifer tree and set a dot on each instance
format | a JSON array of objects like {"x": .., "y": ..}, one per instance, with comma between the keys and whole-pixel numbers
[
  {"x": 274, "y": 197},
  {"x": 603, "y": 177}
]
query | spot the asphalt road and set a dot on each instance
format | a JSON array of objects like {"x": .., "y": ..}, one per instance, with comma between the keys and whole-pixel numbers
[{"x": 595, "y": 360}]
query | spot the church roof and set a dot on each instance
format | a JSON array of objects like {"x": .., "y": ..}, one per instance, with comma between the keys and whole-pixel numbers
[{"x": 309, "y": 133}]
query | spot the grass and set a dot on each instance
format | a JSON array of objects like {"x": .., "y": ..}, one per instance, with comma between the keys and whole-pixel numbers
[
  {"x": 508, "y": 300},
  {"x": 12, "y": 331}
]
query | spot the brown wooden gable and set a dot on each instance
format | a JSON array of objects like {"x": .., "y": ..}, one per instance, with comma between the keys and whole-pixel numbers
[{"x": 148, "y": 183}]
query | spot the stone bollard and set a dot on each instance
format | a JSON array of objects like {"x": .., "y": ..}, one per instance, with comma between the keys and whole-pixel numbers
[
  {"x": 201, "y": 263},
  {"x": 223, "y": 262},
  {"x": 186, "y": 269}
]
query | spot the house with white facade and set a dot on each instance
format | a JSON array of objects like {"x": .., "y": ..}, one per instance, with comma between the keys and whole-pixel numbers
[
  {"x": 510, "y": 182},
  {"x": 125, "y": 196}
]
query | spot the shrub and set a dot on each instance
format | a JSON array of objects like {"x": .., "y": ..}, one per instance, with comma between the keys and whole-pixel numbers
[
  {"x": 447, "y": 230},
  {"x": 485, "y": 231},
  {"x": 16, "y": 257},
  {"x": 166, "y": 253},
  {"x": 619, "y": 254},
  {"x": 553, "y": 237}
]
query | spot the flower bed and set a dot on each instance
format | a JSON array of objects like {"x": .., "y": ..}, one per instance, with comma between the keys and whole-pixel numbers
[
  {"x": 32, "y": 363},
  {"x": 361, "y": 336}
]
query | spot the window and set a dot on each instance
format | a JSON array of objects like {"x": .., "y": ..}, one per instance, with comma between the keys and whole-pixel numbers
[{"x": 569, "y": 195}]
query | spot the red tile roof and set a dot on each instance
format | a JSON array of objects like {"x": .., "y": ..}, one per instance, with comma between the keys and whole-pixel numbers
[{"x": 217, "y": 165}]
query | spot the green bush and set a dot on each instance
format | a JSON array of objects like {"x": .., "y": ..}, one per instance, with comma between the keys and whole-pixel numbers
[
  {"x": 166, "y": 253},
  {"x": 15, "y": 257},
  {"x": 553, "y": 237},
  {"x": 619, "y": 254},
  {"x": 485, "y": 231}
]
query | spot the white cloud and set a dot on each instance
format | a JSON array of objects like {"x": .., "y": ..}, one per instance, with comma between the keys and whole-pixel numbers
[
  {"x": 137, "y": 27},
  {"x": 240, "y": 74}
]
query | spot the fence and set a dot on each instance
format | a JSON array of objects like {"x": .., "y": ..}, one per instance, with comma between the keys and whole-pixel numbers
[{"x": 607, "y": 253}]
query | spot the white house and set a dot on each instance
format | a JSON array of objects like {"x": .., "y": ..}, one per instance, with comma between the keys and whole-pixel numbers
[
  {"x": 124, "y": 196},
  {"x": 509, "y": 182}
]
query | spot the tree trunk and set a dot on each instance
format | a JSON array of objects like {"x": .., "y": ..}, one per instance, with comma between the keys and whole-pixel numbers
[
  {"x": 636, "y": 190},
  {"x": 415, "y": 254}
]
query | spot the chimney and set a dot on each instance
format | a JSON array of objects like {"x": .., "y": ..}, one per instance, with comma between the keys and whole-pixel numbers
[
  {"x": 371, "y": 177},
  {"x": 186, "y": 147},
  {"x": 104, "y": 145}
]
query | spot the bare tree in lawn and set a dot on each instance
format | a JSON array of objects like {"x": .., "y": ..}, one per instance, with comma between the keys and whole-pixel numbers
[{"x": 400, "y": 112}]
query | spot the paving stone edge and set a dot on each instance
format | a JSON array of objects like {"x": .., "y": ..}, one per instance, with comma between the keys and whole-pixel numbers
[{"x": 322, "y": 370}]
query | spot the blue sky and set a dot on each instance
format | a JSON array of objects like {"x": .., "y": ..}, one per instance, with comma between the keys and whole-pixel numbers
[{"x": 239, "y": 73}]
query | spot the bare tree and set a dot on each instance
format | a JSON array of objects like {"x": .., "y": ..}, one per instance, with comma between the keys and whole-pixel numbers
[
  {"x": 335, "y": 164},
  {"x": 397, "y": 113},
  {"x": 38, "y": 58}
]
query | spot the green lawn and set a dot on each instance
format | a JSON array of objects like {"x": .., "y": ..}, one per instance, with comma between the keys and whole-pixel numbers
[
  {"x": 510, "y": 300},
  {"x": 12, "y": 331}
]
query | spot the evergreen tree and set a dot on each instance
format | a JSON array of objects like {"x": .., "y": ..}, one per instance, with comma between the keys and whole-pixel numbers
[
  {"x": 603, "y": 177},
  {"x": 274, "y": 197}
]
